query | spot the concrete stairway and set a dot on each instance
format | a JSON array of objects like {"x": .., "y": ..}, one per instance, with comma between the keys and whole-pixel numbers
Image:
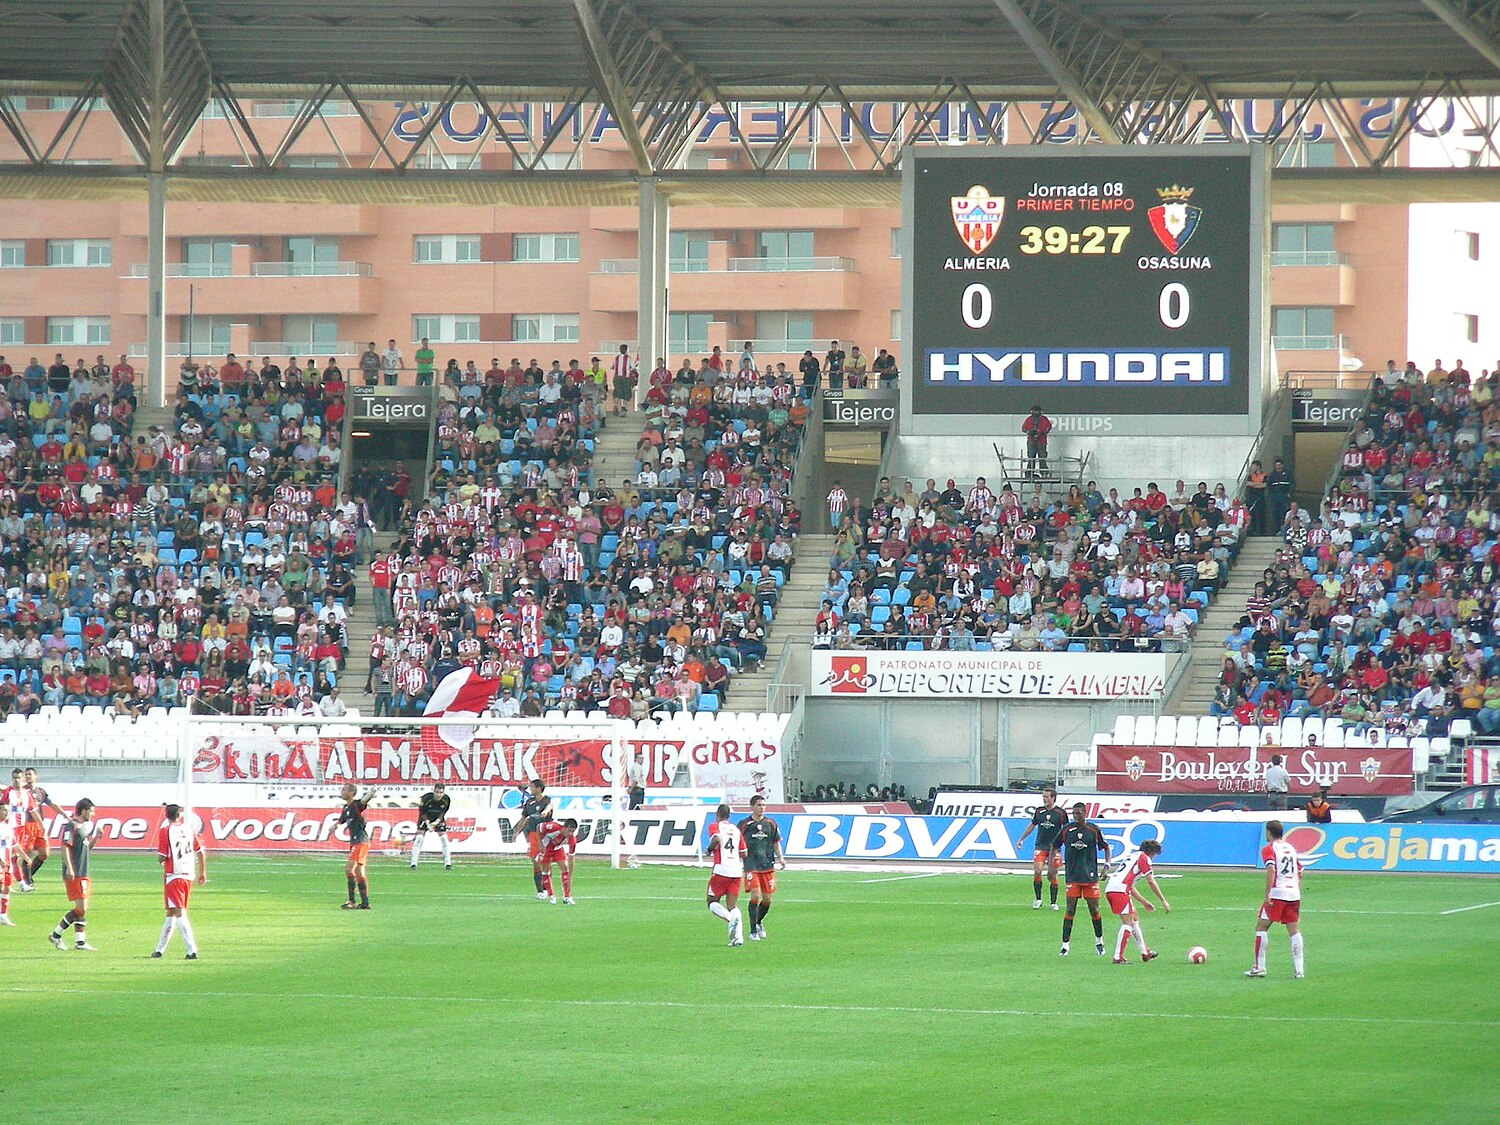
[
  {"x": 792, "y": 627},
  {"x": 361, "y": 625},
  {"x": 614, "y": 449},
  {"x": 1195, "y": 691}
]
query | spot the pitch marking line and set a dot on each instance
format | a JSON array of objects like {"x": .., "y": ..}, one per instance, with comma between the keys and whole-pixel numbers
[
  {"x": 899, "y": 878},
  {"x": 1465, "y": 909},
  {"x": 717, "y": 1005}
]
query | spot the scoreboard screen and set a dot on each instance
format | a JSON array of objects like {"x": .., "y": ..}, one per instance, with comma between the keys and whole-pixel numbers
[{"x": 1118, "y": 280}]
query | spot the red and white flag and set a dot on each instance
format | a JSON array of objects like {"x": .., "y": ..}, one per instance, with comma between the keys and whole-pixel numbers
[{"x": 461, "y": 692}]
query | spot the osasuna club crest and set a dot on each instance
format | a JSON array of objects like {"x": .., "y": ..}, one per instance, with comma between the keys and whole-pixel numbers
[
  {"x": 1174, "y": 220},
  {"x": 977, "y": 216}
]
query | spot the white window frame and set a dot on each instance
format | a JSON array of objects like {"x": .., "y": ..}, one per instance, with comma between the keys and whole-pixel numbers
[
  {"x": 446, "y": 249},
  {"x": 81, "y": 253},
  {"x": 895, "y": 324},
  {"x": 12, "y": 331},
  {"x": 82, "y": 331},
  {"x": 445, "y": 328},
  {"x": 12, "y": 253},
  {"x": 544, "y": 328},
  {"x": 544, "y": 246}
]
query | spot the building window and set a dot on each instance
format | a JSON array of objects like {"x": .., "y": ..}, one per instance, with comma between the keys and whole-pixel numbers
[
  {"x": 1469, "y": 324},
  {"x": 1303, "y": 329},
  {"x": 65, "y": 104},
  {"x": 205, "y": 335},
  {"x": 895, "y": 324},
  {"x": 544, "y": 247},
  {"x": 1302, "y": 244},
  {"x": 78, "y": 252},
  {"x": 310, "y": 257},
  {"x": 326, "y": 161},
  {"x": 799, "y": 159},
  {"x": 1470, "y": 241},
  {"x": 895, "y": 242},
  {"x": 12, "y": 331},
  {"x": 206, "y": 257},
  {"x": 687, "y": 332},
  {"x": 1305, "y": 154},
  {"x": 783, "y": 331},
  {"x": 448, "y": 249},
  {"x": 79, "y": 330},
  {"x": 12, "y": 254},
  {"x": 788, "y": 249},
  {"x": 545, "y": 328},
  {"x": 317, "y": 335},
  {"x": 687, "y": 251},
  {"x": 446, "y": 329}
]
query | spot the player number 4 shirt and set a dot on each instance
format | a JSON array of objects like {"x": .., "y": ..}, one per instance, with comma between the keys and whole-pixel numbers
[{"x": 729, "y": 851}]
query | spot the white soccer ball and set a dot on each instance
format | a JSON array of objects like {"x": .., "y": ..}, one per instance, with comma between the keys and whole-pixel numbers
[{"x": 1197, "y": 955}]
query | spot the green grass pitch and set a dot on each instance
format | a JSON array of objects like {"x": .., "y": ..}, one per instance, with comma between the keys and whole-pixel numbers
[{"x": 459, "y": 997}]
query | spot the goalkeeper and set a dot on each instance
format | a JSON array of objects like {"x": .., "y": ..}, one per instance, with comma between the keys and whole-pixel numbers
[{"x": 432, "y": 816}]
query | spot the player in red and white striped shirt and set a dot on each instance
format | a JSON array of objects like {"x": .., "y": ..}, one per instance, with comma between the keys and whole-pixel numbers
[
  {"x": 183, "y": 862},
  {"x": 1121, "y": 889},
  {"x": 1283, "y": 901}
]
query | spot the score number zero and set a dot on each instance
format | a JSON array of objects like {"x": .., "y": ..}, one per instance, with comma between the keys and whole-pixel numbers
[{"x": 1173, "y": 306}]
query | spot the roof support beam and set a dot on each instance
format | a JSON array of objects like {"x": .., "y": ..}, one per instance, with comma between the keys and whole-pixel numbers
[
  {"x": 1124, "y": 91},
  {"x": 156, "y": 77},
  {"x": 611, "y": 83},
  {"x": 1476, "y": 22}
]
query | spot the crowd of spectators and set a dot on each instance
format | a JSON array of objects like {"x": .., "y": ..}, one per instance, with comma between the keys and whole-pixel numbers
[
  {"x": 1383, "y": 607},
  {"x": 209, "y": 562},
  {"x": 848, "y": 792},
  {"x": 620, "y": 597},
  {"x": 985, "y": 569}
]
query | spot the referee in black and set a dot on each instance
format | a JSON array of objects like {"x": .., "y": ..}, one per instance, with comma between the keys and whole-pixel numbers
[{"x": 432, "y": 816}]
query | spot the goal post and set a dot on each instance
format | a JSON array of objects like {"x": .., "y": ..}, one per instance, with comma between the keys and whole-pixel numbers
[{"x": 279, "y": 778}]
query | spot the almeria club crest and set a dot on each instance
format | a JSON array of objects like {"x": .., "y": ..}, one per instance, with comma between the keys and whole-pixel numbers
[
  {"x": 1135, "y": 767},
  {"x": 977, "y": 216},
  {"x": 1174, "y": 220}
]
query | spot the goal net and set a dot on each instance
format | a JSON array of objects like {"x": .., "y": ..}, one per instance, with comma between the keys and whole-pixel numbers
[{"x": 255, "y": 784}]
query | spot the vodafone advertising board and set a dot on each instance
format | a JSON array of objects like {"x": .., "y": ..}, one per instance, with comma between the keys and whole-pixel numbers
[
  {"x": 988, "y": 675},
  {"x": 1354, "y": 770}
]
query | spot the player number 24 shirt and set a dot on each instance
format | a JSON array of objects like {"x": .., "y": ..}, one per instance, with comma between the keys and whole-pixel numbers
[{"x": 177, "y": 844}]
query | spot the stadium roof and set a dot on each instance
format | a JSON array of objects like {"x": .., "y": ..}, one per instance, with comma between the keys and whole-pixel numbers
[{"x": 765, "y": 48}]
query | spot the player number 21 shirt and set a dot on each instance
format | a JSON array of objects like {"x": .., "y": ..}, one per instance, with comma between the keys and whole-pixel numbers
[
  {"x": 1281, "y": 858},
  {"x": 729, "y": 851}
]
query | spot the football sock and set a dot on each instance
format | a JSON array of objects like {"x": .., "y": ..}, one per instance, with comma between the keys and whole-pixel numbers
[
  {"x": 1140, "y": 937},
  {"x": 765, "y": 908},
  {"x": 547, "y": 881},
  {"x": 167, "y": 929},
  {"x": 1036, "y": 889},
  {"x": 416, "y": 848},
  {"x": 1297, "y": 953},
  {"x": 187, "y": 935},
  {"x": 1260, "y": 950},
  {"x": 567, "y": 882},
  {"x": 78, "y": 938},
  {"x": 1121, "y": 941},
  {"x": 447, "y": 854},
  {"x": 35, "y": 867},
  {"x": 536, "y": 877},
  {"x": 1098, "y": 927},
  {"x": 719, "y": 910},
  {"x": 1054, "y": 892},
  {"x": 735, "y": 917},
  {"x": 67, "y": 920},
  {"x": 351, "y": 888},
  {"x": 1067, "y": 927},
  {"x": 364, "y": 892}
]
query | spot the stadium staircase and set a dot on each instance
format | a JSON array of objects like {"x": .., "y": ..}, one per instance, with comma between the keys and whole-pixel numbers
[
  {"x": 361, "y": 627},
  {"x": 792, "y": 627},
  {"x": 1195, "y": 691},
  {"x": 614, "y": 449}
]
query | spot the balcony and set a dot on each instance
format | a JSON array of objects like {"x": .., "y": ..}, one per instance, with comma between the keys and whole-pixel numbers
[
  {"x": 730, "y": 290},
  {"x": 259, "y": 269},
  {"x": 315, "y": 348},
  {"x": 1311, "y": 277},
  {"x": 791, "y": 265},
  {"x": 274, "y": 288}
]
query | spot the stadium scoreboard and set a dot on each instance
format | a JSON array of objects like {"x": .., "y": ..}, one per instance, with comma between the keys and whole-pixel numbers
[{"x": 1127, "y": 281}]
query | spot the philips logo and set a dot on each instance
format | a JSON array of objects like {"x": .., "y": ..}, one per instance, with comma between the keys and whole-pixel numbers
[{"x": 1099, "y": 367}]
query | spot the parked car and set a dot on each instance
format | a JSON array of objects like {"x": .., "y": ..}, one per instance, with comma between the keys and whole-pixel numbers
[{"x": 1473, "y": 804}]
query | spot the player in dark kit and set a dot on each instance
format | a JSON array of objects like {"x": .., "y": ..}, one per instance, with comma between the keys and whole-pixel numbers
[
  {"x": 762, "y": 858},
  {"x": 1047, "y": 822},
  {"x": 353, "y": 818},
  {"x": 432, "y": 816},
  {"x": 536, "y": 810},
  {"x": 77, "y": 843},
  {"x": 1081, "y": 842}
]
